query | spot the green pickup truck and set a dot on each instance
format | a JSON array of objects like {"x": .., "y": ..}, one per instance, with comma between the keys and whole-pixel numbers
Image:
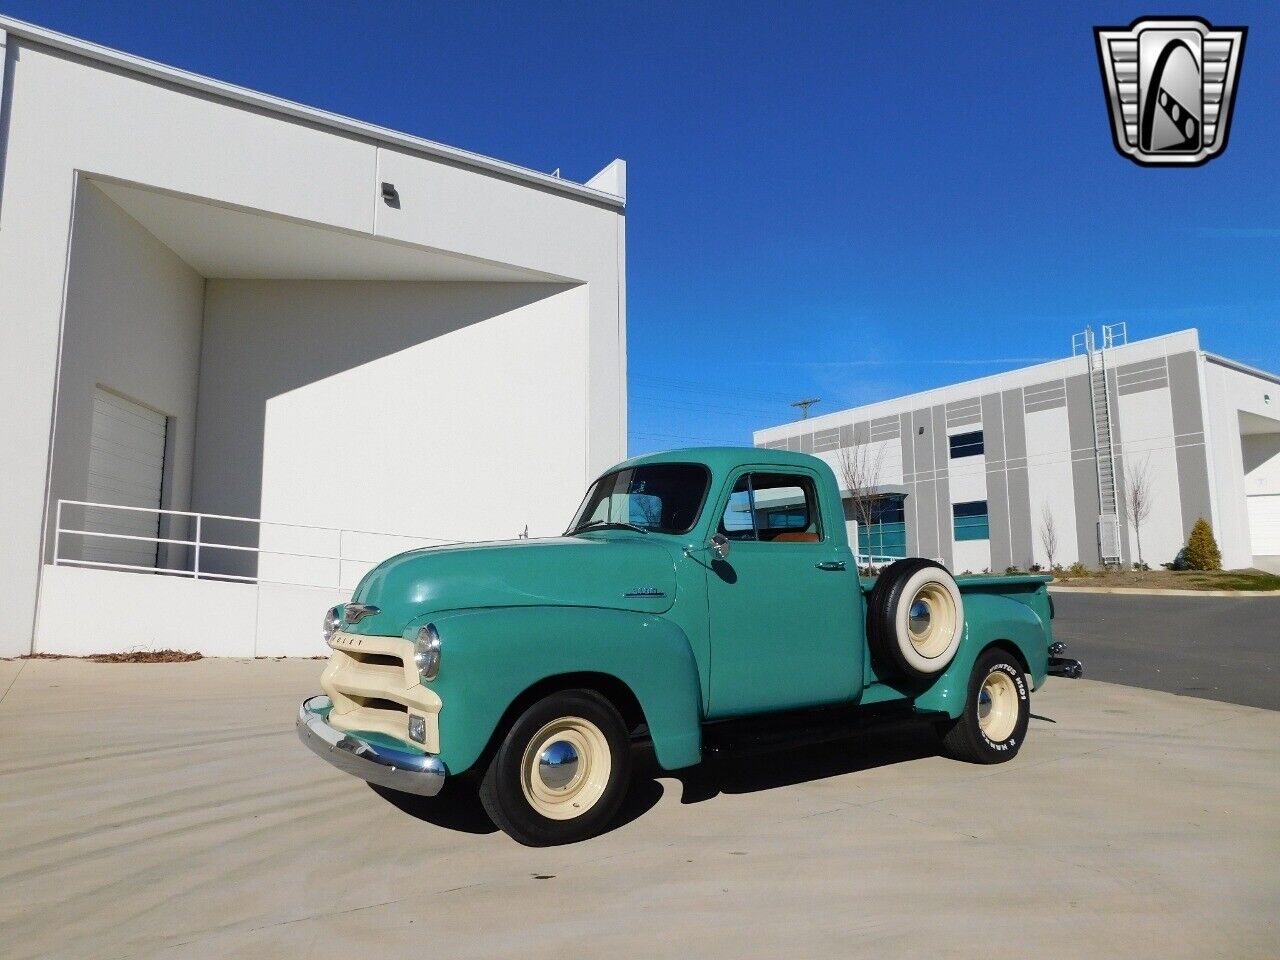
[{"x": 695, "y": 594}]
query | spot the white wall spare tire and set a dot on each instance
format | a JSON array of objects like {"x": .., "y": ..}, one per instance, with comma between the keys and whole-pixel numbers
[{"x": 915, "y": 618}]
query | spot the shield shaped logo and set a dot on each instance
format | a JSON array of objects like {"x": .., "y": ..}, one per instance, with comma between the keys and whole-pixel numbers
[{"x": 1170, "y": 84}]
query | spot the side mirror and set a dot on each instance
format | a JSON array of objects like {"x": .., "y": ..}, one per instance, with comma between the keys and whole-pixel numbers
[{"x": 720, "y": 545}]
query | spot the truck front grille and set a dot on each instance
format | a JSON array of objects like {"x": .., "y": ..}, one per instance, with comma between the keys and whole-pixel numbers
[{"x": 374, "y": 686}]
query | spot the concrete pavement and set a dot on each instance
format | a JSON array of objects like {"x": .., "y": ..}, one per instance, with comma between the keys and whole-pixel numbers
[
  {"x": 169, "y": 811},
  {"x": 1212, "y": 647}
]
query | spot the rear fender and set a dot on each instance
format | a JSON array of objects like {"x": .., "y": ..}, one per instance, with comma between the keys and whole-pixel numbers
[
  {"x": 489, "y": 657},
  {"x": 989, "y": 618}
]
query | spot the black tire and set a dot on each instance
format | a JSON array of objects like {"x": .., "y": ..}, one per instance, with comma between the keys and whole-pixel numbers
[
  {"x": 973, "y": 739},
  {"x": 889, "y": 630},
  {"x": 584, "y": 805}
]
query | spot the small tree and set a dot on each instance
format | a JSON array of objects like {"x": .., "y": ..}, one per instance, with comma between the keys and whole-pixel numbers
[
  {"x": 1048, "y": 533},
  {"x": 1202, "y": 551},
  {"x": 1138, "y": 497},
  {"x": 859, "y": 469}
]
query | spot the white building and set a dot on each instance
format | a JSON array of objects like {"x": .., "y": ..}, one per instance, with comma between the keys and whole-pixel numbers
[
  {"x": 969, "y": 473},
  {"x": 216, "y": 302}
]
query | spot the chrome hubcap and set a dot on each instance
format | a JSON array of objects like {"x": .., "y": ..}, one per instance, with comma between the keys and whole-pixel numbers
[
  {"x": 984, "y": 704},
  {"x": 557, "y": 765},
  {"x": 918, "y": 618}
]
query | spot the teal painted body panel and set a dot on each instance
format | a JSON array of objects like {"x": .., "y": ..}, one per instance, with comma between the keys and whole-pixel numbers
[
  {"x": 594, "y": 570},
  {"x": 771, "y": 653},
  {"x": 690, "y": 636},
  {"x": 490, "y": 657},
  {"x": 989, "y": 618}
]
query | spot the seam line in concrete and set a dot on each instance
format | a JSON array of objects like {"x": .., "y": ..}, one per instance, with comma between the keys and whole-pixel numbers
[{"x": 21, "y": 666}]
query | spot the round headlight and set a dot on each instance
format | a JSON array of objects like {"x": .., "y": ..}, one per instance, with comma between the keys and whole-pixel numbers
[
  {"x": 332, "y": 622},
  {"x": 426, "y": 652}
]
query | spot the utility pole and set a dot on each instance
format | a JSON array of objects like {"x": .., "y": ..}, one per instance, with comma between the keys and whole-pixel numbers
[{"x": 804, "y": 406}]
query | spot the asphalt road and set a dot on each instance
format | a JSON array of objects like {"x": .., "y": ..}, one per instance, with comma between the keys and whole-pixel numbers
[{"x": 1218, "y": 648}]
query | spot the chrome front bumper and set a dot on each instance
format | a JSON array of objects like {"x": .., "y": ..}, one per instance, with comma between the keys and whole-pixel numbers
[{"x": 418, "y": 773}]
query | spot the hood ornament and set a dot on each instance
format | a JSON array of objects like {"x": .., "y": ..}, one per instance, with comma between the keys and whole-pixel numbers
[{"x": 355, "y": 612}]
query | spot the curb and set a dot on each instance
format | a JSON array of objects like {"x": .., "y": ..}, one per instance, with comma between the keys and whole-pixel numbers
[{"x": 1155, "y": 592}]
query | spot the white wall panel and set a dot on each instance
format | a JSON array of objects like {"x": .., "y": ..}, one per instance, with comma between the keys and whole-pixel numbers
[
  {"x": 1229, "y": 392},
  {"x": 1147, "y": 437},
  {"x": 972, "y": 556},
  {"x": 147, "y": 612},
  {"x": 1050, "y": 484}
]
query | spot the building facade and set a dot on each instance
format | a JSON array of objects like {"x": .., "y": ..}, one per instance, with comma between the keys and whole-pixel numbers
[
  {"x": 247, "y": 342},
  {"x": 985, "y": 475}
]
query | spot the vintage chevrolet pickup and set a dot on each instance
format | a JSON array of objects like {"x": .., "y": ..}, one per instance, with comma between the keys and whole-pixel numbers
[{"x": 693, "y": 591}]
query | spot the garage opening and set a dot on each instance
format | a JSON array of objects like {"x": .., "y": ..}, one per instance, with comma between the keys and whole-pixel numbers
[
  {"x": 230, "y": 363},
  {"x": 1260, "y": 455}
]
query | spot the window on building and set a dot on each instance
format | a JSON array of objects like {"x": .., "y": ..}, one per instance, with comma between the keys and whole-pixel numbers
[
  {"x": 971, "y": 520},
  {"x": 772, "y": 507},
  {"x": 886, "y": 534},
  {"x": 966, "y": 444}
]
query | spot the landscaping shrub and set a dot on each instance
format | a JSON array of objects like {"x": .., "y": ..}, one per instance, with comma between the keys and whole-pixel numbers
[{"x": 1202, "y": 551}]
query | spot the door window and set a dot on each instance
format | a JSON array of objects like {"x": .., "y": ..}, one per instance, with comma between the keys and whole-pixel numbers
[{"x": 772, "y": 508}]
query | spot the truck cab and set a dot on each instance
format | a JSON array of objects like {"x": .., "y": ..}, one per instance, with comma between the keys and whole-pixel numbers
[{"x": 690, "y": 590}]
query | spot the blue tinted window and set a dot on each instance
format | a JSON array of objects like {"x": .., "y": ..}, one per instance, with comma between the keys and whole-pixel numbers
[
  {"x": 967, "y": 445},
  {"x": 971, "y": 521},
  {"x": 886, "y": 534}
]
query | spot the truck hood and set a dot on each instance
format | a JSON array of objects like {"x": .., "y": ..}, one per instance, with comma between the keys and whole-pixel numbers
[{"x": 622, "y": 573}]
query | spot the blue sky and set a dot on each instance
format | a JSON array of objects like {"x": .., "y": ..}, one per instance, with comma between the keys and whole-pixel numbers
[{"x": 850, "y": 201}]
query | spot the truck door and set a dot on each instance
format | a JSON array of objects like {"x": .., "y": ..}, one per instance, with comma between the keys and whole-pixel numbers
[{"x": 785, "y": 615}]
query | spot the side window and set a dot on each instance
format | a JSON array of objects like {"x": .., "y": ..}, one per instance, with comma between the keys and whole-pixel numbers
[
  {"x": 786, "y": 508},
  {"x": 772, "y": 507}
]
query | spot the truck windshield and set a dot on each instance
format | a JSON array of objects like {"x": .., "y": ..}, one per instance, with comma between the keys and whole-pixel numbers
[{"x": 658, "y": 497}]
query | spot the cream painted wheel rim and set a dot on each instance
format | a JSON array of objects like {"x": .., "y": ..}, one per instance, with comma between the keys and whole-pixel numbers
[
  {"x": 931, "y": 620},
  {"x": 552, "y": 789},
  {"x": 997, "y": 706}
]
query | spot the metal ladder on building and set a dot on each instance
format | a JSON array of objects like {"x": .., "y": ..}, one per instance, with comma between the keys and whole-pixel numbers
[{"x": 1113, "y": 335}]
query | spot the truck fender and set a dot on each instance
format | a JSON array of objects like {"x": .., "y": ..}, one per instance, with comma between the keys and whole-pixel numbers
[
  {"x": 489, "y": 657},
  {"x": 989, "y": 619}
]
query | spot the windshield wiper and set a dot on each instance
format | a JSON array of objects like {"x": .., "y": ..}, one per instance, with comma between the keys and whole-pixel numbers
[{"x": 607, "y": 524}]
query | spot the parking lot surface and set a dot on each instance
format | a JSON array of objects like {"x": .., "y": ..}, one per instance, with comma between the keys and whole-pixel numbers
[
  {"x": 1218, "y": 648},
  {"x": 169, "y": 811}
]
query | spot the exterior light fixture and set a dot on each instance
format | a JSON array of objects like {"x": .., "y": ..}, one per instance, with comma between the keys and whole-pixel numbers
[{"x": 389, "y": 195}]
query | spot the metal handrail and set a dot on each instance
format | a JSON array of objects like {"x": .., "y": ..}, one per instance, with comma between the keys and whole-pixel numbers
[{"x": 199, "y": 544}]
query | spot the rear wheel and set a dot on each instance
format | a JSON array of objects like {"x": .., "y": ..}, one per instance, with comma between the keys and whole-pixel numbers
[
  {"x": 561, "y": 771},
  {"x": 996, "y": 712}
]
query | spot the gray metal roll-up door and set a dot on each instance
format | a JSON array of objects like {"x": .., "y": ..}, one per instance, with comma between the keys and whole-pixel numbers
[{"x": 126, "y": 467}]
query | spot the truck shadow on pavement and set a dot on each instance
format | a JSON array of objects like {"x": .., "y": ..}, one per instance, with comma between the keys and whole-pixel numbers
[
  {"x": 458, "y": 808},
  {"x": 805, "y": 763}
]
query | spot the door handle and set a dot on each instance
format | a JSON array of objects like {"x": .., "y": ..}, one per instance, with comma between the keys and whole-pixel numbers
[{"x": 830, "y": 565}]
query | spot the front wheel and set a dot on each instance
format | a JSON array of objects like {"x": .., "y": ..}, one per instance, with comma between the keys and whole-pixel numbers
[
  {"x": 996, "y": 712},
  {"x": 561, "y": 772}
]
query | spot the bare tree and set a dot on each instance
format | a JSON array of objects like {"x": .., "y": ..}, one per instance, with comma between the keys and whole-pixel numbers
[
  {"x": 1048, "y": 533},
  {"x": 1138, "y": 496},
  {"x": 859, "y": 469}
]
